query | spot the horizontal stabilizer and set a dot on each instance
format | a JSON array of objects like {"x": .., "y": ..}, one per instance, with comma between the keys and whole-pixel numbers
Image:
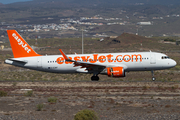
[{"x": 10, "y": 61}]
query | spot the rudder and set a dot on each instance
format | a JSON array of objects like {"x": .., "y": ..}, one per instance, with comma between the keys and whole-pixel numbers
[{"x": 19, "y": 46}]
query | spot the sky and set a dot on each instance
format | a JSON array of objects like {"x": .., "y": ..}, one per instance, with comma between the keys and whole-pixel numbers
[{"x": 12, "y": 1}]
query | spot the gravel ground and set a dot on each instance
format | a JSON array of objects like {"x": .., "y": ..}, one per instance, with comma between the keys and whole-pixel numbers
[{"x": 110, "y": 100}]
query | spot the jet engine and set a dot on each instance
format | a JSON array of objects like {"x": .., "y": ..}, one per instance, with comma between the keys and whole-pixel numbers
[{"x": 115, "y": 72}]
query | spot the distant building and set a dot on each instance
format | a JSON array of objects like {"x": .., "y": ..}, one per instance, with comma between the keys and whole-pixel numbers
[
  {"x": 2, "y": 47},
  {"x": 144, "y": 23},
  {"x": 113, "y": 36}
]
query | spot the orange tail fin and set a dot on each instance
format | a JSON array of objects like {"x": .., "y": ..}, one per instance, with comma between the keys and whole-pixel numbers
[{"x": 19, "y": 46}]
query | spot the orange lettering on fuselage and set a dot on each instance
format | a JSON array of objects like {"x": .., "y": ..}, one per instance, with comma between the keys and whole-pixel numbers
[
  {"x": 126, "y": 59},
  {"x": 136, "y": 56},
  {"x": 119, "y": 59},
  {"x": 102, "y": 59},
  {"x": 60, "y": 60},
  {"x": 77, "y": 58},
  {"x": 109, "y": 58},
  {"x": 69, "y": 62},
  {"x": 94, "y": 58},
  {"x": 85, "y": 58}
]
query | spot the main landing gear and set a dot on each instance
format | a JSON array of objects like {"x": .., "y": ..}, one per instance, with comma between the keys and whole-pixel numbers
[
  {"x": 94, "y": 78},
  {"x": 153, "y": 78}
]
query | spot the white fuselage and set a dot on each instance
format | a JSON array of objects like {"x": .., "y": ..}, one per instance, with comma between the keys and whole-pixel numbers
[{"x": 130, "y": 61}]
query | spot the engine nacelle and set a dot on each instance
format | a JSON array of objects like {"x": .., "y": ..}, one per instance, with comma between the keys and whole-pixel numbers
[{"x": 115, "y": 72}]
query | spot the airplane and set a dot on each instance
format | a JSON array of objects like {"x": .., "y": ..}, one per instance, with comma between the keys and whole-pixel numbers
[{"x": 110, "y": 64}]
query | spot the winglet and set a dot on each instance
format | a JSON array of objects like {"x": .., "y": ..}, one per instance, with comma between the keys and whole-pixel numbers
[
  {"x": 65, "y": 56},
  {"x": 20, "y": 47}
]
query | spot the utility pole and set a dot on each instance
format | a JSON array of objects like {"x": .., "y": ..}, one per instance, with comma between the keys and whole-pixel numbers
[
  {"x": 82, "y": 42},
  {"x": 137, "y": 33}
]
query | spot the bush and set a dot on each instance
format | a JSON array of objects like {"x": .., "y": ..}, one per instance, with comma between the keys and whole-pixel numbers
[
  {"x": 52, "y": 99},
  {"x": 29, "y": 93},
  {"x": 3, "y": 93},
  {"x": 170, "y": 39},
  {"x": 14, "y": 84},
  {"x": 39, "y": 107},
  {"x": 86, "y": 115}
]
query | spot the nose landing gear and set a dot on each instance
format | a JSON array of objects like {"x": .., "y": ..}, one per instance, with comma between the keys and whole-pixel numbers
[{"x": 153, "y": 78}]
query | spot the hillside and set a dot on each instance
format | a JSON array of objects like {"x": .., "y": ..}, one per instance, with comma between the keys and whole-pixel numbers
[
  {"x": 127, "y": 38},
  {"x": 114, "y": 2},
  {"x": 165, "y": 19},
  {"x": 95, "y": 3},
  {"x": 125, "y": 42}
]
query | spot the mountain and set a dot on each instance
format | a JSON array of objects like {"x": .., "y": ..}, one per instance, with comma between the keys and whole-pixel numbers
[
  {"x": 115, "y": 2},
  {"x": 2, "y": 5},
  {"x": 12, "y": 1},
  {"x": 96, "y": 3},
  {"x": 92, "y": 4}
]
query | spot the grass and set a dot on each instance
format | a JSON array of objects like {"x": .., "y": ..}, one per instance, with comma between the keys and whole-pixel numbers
[
  {"x": 29, "y": 93},
  {"x": 145, "y": 87},
  {"x": 3, "y": 93},
  {"x": 39, "y": 107},
  {"x": 52, "y": 99},
  {"x": 14, "y": 84},
  {"x": 86, "y": 115}
]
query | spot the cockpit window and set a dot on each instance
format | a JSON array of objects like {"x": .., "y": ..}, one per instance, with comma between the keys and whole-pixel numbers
[{"x": 165, "y": 57}]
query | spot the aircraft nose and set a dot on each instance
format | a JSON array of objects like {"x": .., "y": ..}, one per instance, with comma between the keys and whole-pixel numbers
[{"x": 173, "y": 63}]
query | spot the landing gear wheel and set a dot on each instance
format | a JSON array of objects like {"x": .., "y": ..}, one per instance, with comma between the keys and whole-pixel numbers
[
  {"x": 94, "y": 78},
  {"x": 153, "y": 78}
]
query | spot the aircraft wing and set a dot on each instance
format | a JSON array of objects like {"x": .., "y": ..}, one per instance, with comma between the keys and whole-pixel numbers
[{"x": 91, "y": 67}]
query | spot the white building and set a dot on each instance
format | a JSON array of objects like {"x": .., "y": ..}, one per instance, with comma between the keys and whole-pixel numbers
[{"x": 144, "y": 23}]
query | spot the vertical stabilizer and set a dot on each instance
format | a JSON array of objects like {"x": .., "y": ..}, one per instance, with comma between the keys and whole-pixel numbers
[{"x": 19, "y": 46}]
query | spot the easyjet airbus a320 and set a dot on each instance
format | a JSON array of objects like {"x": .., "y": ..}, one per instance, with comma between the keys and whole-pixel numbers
[{"x": 110, "y": 64}]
